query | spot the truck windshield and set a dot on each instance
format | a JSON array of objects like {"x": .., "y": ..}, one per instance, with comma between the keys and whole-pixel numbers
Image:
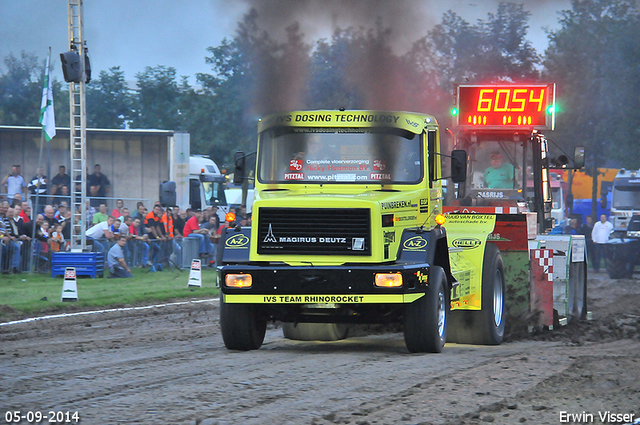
[
  {"x": 304, "y": 155},
  {"x": 495, "y": 165},
  {"x": 626, "y": 197},
  {"x": 214, "y": 193}
]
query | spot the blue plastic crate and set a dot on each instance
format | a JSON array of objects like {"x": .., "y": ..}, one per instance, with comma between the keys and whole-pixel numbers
[{"x": 85, "y": 263}]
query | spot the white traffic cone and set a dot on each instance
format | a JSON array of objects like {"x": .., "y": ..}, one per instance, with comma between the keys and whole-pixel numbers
[
  {"x": 195, "y": 276},
  {"x": 69, "y": 286}
]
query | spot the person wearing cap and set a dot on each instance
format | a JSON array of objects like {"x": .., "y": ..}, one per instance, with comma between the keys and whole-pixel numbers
[{"x": 500, "y": 175}]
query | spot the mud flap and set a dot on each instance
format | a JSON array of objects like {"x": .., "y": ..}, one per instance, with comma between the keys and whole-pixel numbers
[
  {"x": 234, "y": 246},
  {"x": 467, "y": 237}
]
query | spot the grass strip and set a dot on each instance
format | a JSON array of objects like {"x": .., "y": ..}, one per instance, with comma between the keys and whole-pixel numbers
[{"x": 32, "y": 294}]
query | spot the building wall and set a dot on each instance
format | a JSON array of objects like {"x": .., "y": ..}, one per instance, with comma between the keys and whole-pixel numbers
[{"x": 136, "y": 162}]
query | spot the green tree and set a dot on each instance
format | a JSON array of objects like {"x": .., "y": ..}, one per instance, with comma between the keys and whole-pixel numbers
[
  {"x": 156, "y": 104},
  {"x": 196, "y": 109},
  {"x": 595, "y": 60},
  {"x": 21, "y": 92},
  {"x": 490, "y": 51},
  {"x": 245, "y": 85},
  {"x": 507, "y": 52},
  {"x": 328, "y": 86},
  {"x": 108, "y": 100}
]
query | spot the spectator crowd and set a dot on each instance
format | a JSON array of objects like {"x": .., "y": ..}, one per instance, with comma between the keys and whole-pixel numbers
[{"x": 36, "y": 229}]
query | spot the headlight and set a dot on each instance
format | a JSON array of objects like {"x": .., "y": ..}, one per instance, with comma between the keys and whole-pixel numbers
[{"x": 633, "y": 234}]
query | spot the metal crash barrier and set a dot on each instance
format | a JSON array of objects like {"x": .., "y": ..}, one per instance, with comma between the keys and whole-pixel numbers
[{"x": 37, "y": 256}]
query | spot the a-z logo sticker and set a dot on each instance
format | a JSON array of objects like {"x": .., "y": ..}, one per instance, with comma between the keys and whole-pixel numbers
[
  {"x": 416, "y": 243},
  {"x": 468, "y": 243},
  {"x": 238, "y": 241},
  {"x": 295, "y": 165},
  {"x": 379, "y": 165}
]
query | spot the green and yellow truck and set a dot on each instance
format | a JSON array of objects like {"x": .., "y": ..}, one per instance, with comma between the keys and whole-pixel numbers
[{"x": 347, "y": 227}]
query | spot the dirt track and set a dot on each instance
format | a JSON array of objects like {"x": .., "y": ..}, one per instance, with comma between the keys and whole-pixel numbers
[{"x": 168, "y": 365}]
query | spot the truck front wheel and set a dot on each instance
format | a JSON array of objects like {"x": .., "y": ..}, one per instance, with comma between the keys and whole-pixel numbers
[
  {"x": 426, "y": 319},
  {"x": 241, "y": 325}
]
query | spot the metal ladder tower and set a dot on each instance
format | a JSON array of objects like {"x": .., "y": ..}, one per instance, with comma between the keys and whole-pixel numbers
[{"x": 78, "y": 133}]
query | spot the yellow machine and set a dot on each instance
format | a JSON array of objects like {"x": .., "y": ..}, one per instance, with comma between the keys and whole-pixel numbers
[{"x": 347, "y": 228}]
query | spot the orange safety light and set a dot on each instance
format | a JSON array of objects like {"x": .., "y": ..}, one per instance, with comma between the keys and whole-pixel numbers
[
  {"x": 238, "y": 280},
  {"x": 388, "y": 280},
  {"x": 441, "y": 219},
  {"x": 229, "y": 217}
]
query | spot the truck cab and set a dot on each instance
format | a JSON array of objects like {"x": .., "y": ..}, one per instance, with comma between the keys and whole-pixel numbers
[
  {"x": 206, "y": 185},
  {"x": 347, "y": 228},
  {"x": 622, "y": 251},
  {"x": 625, "y": 199}
]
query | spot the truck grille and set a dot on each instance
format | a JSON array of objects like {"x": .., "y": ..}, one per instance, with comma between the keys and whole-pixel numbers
[{"x": 314, "y": 231}]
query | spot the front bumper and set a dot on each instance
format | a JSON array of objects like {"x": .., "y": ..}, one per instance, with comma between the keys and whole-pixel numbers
[{"x": 344, "y": 285}]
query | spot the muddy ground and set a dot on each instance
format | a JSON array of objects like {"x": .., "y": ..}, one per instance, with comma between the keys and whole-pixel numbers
[{"x": 169, "y": 366}]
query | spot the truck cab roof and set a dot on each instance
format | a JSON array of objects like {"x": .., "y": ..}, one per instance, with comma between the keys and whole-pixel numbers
[
  {"x": 202, "y": 165},
  {"x": 410, "y": 121}
]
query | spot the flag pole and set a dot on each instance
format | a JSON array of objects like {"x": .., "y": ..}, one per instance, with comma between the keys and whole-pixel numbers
[{"x": 47, "y": 120}]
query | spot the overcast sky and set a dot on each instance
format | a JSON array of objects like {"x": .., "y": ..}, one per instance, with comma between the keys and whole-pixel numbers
[{"x": 134, "y": 34}]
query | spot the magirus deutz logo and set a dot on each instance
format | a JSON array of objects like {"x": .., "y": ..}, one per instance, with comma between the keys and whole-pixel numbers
[{"x": 357, "y": 244}]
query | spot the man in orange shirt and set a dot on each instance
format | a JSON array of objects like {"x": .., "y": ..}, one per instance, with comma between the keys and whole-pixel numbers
[
  {"x": 155, "y": 231},
  {"x": 167, "y": 221}
]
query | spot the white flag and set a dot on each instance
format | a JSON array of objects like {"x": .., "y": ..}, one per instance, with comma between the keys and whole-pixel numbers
[{"x": 47, "y": 118}]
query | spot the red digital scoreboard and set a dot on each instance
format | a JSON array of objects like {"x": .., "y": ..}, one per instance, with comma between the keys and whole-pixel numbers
[{"x": 505, "y": 107}]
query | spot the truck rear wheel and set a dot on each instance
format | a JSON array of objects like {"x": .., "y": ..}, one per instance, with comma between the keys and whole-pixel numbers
[
  {"x": 241, "y": 325},
  {"x": 426, "y": 319},
  {"x": 314, "y": 331},
  {"x": 486, "y": 326},
  {"x": 620, "y": 259},
  {"x": 619, "y": 268}
]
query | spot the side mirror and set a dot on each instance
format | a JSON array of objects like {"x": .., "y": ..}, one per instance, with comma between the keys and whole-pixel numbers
[
  {"x": 578, "y": 157},
  {"x": 194, "y": 194},
  {"x": 239, "y": 167},
  {"x": 458, "y": 166}
]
